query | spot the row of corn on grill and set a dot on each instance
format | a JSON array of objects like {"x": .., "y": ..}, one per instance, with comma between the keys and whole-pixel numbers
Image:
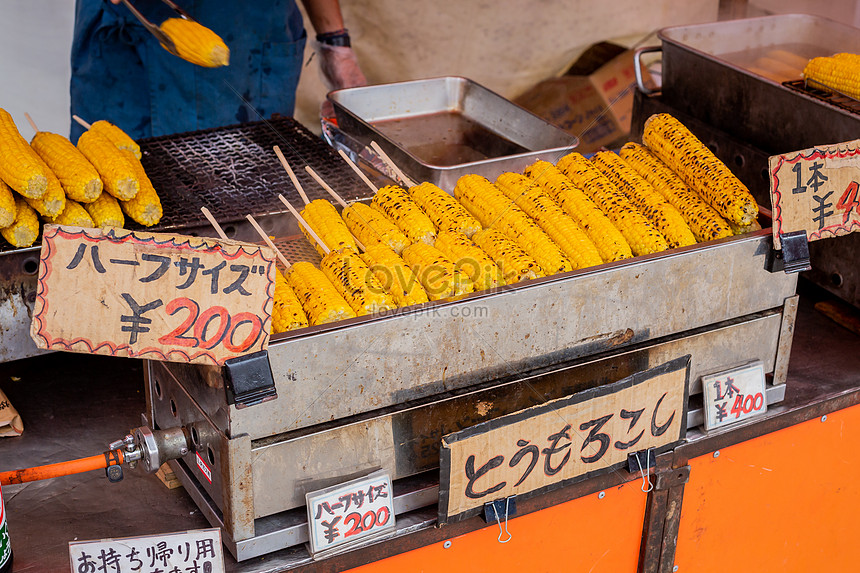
[
  {"x": 91, "y": 185},
  {"x": 423, "y": 244}
]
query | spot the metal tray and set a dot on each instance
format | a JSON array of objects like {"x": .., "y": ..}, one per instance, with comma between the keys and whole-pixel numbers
[{"x": 440, "y": 129}]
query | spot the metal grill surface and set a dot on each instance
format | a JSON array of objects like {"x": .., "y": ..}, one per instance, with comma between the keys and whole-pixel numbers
[{"x": 837, "y": 99}]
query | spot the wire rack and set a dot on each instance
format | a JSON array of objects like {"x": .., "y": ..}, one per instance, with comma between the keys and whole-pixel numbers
[{"x": 824, "y": 94}]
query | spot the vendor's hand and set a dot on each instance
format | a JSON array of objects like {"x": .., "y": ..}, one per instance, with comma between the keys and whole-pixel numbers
[{"x": 339, "y": 69}]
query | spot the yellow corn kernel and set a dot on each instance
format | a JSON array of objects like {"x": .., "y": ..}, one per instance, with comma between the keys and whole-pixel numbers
[
  {"x": 703, "y": 220},
  {"x": 700, "y": 169},
  {"x": 438, "y": 275},
  {"x": 74, "y": 214},
  {"x": 741, "y": 230},
  {"x": 117, "y": 136},
  {"x": 7, "y": 206},
  {"x": 640, "y": 234},
  {"x": 114, "y": 167},
  {"x": 324, "y": 219},
  {"x": 80, "y": 180},
  {"x": 145, "y": 208},
  {"x": 320, "y": 299},
  {"x": 53, "y": 201},
  {"x": 373, "y": 228},
  {"x": 470, "y": 259},
  {"x": 355, "y": 282},
  {"x": 105, "y": 211},
  {"x": 196, "y": 43},
  {"x": 394, "y": 275},
  {"x": 19, "y": 165},
  {"x": 399, "y": 207},
  {"x": 287, "y": 313},
  {"x": 24, "y": 231},
  {"x": 644, "y": 197},
  {"x": 445, "y": 212},
  {"x": 609, "y": 241},
  {"x": 516, "y": 265}
]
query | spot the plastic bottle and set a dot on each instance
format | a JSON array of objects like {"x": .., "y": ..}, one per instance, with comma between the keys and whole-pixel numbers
[{"x": 5, "y": 543}]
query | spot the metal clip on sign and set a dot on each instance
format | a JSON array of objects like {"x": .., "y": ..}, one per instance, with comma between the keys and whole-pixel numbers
[
  {"x": 495, "y": 510},
  {"x": 794, "y": 256},
  {"x": 642, "y": 461}
]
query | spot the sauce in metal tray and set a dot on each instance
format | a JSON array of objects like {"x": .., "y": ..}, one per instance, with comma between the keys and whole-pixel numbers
[
  {"x": 777, "y": 62},
  {"x": 446, "y": 138}
]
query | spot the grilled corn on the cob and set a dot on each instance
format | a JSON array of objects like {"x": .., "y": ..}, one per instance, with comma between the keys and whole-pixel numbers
[
  {"x": 470, "y": 259},
  {"x": 19, "y": 165},
  {"x": 356, "y": 283},
  {"x": 74, "y": 214},
  {"x": 438, "y": 275},
  {"x": 287, "y": 313},
  {"x": 105, "y": 211},
  {"x": 117, "y": 136},
  {"x": 398, "y": 206},
  {"x": 320, "y": 299},
  {"x": 326, "y": 222},
  {"x": 145, "y": 208},
  {"x": 196, "y": 43},
  {"x": 80, "y": 180},
  {"x": 445, "y": 212},
  {"x": 7, "y": 206},
  {"x": 24, "y": 231},
  {"x": 516, "y": 265},
  {"x": 373, "y": 228},
  {"x": 394, "y": 275},
  {"x": 53, "y": 201},
  {"x": 117, "y": 172}
]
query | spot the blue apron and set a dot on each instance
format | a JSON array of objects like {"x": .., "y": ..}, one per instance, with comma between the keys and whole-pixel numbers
[{"x": 121, "y": 73}]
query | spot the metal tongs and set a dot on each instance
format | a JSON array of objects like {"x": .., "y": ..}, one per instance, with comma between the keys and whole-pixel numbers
[{"x": 162, "y": 38}]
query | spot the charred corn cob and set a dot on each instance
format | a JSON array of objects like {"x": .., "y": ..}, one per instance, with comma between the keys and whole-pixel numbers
[
  {"x": 470, "y": 259},
  {"x": 80, "y": 180},
  {"x": 114, "y": 167},
  {"x": 398, "y": 206},
  {"x": 356, "y": 283},
  {"x": 74, "y": 214},
  {"x": 703, "y": 220},
  {"x": 493, "y": 209},
  {"x": 606, "y": 237},
  {"x": 740, "y": 230},
  {"x": 445, "y": 212},
  {"x": 640, "y": 234},
  {"x": 669, "y": 140},
  {"x": 145, "y": 208},
  {"x": 326, "y": 222},
  {"x": 644, "y": 197},
  {"x": 53, "y": 201},
  {"x": 563, "y": 230},
  {"x": 394, "y": 275},
  {"x": 516, "y": 265},
  {"x": 373, "y": 228},
  {"x": 116, "y": 136},
  {"x": 437, "y": 274},
  {"x": 105, "y": 211},
  {"x": 320, "y": 300},
  {"x": 24, "y": 231},
  {"x": 19, "y": 167},
  {"x": 838, "y": 73},
  {"x": 287, "y": 313},
  {"x": 196, "y": 43},
  {"x": 7, "y": 206}
]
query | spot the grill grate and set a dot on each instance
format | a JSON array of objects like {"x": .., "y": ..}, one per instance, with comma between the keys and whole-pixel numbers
[
  {"x": 837, "y": 99},
  {"x": 297, "y": 248}
]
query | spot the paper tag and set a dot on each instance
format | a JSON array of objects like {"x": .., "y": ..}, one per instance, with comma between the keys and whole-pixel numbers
[
  {"x": 346, "y": 515},
  {"x": 734, "y": 395},
  {"x": 10, "y": 421},
  {"x": 197, "y": 550}
]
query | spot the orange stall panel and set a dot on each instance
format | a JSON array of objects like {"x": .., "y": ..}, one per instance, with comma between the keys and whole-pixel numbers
[
  {"x": 786, "y": 501},
  {"x": 588, "y": 535}
]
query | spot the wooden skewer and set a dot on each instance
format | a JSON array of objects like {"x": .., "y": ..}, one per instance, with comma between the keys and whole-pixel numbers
[
  {"x": 32, "y": 123},
  {"x": 82, "y": 122},
  {"x": 214, "y": 223},
  {"x": 292, "y": 175},
  {"x": 304, "y": 224},
  {"x": 357, "y": 170},
  {"x": 269, "y": 242},
  {"x": 337, "y": 198},
  {"x": 406, "y": 180}
]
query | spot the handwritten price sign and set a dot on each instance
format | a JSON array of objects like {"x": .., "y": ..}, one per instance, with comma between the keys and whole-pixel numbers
[
  {"x": 816, "y": 190},
  {"x": 734, "y": 395},
  {"x": 152, "y": 295}
]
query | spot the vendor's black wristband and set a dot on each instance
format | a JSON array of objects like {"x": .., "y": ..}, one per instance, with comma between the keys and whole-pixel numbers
[{"x": 336, "y": 38}]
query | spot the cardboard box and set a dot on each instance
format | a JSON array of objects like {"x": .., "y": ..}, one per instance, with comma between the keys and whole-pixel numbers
[{"x": 593, "y": 100}]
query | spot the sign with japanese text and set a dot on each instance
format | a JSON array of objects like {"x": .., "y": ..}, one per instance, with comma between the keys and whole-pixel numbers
[
  {"x": 152, "y": 295},
  {"x": 349, "y": 513},
  {"x": 816, "y": 190},
  {"x": 563, "y": 441},
  {"x": 197, "y": 551},
  {"x": 734, "y": 395}
]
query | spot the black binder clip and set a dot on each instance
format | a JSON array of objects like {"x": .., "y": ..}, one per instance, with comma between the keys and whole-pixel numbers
[
  {"x": 250, "y": 380},
  {"x": 641, "y": 462},
  {"x": 794, "y": 256}
]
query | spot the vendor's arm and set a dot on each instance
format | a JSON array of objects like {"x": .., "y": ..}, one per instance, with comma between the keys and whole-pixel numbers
[{"x": 325, "y": 15}]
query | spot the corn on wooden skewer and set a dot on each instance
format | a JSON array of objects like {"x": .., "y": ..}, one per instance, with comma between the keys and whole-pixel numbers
[
  {"x": 196, "y": 43},
  {"x": 292, "y": 175},
  {"x": 387, "y": 160},
  {"x": 304, "y": 224},
  {"x": 7, "y": 206},
  {"x": 145, "y": 208},
  {"x": 19, "y": 167},
  {"x": 445, "y": 211},
  {"x": 336, "y": 197},
  {"x": 470, "y": 259},
  {"x": 105, "y": 211},
  {"x": 25, "y": 229},
  {"x": 81, "y": 122}
]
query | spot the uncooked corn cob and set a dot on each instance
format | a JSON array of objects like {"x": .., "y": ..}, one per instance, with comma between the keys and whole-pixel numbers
[
  {"x": 644, "y": 197},
  {"x": 326, "y": 222},
  {"x": 438, "y": 275},
  {"x": 398, "y": 206},
  {"x": 470, "y": 259},
  {"x": 640, "y": 234},
  {"x": 7, "y": 206},
  {"x": 145, "y": 208},
  {"x": 196, "y": 43},
  {"x": 445, "y": 212},
  {"x": 80, "y": 180},
  {"x": 493, "y": 209},
  {"x": 105, "y": 211},
  {"x": 563, "y": 230},
  {"x": 372, "y": 227},
  {"x": 699, "y": 168},
  {"x": 24, "y": 231},
  {"x": 320, "y": 299},
  {"x": 287, "y": 313},
  {"x": 703, "y": 220},
  {"x": 516, "y": 265},
  {"x": 609, "y": 241},
  {"x": 19, "y": 165},
  {"x": 114, "y": 167},
  {"x": 74, "y": 214},
  {"x": 53, "y": 201},
  {"x": 117, "y": 136},
  {"x": 356, "y": 283},
  {"x": 394, "y": 275},
  {"x": 838, "y": 73}
]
